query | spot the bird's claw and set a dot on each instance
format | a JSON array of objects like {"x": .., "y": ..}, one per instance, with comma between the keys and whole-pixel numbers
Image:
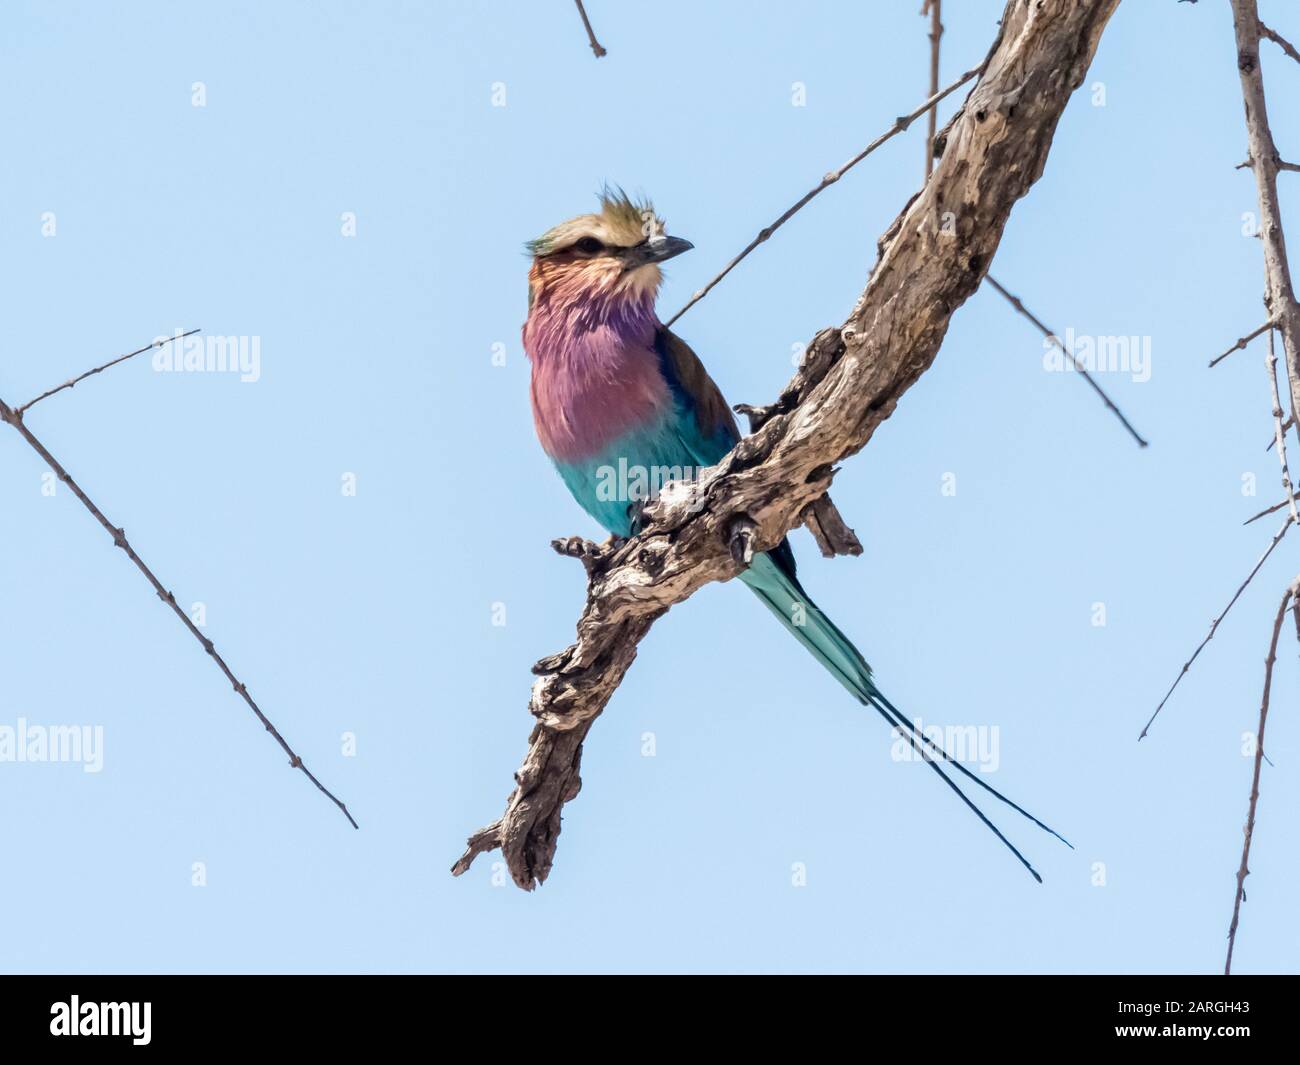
[
  {"x": 636, "y": 515},
  {"x": 740, "y": 540},
  {"x": 592, "y": 555}
]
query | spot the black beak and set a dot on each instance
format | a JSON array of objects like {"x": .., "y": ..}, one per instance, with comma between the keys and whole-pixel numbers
[{"x": 655, "y": 250}]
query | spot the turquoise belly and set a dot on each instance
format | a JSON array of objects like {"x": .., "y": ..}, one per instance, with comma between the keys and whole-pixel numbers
[{"x": 627, "y": 472}]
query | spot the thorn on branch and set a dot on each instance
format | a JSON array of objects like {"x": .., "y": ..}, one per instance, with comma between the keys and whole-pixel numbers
[
  {"x": 1286, "y": 424},
  {"x": 1241, "y": 343}
]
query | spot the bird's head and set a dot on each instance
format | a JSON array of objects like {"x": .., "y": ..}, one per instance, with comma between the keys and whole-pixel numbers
[{"x": 615, "y": 252}]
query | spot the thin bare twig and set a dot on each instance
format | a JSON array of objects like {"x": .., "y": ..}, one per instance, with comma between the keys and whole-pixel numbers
[
  {"x": 1279, "y": 433},
  {"x": 1244, "y": 869},
  {"x": 15, "y": 418},
  {"x": 828, "y": 180},
  {"x": 1214, "y": 626},
  {"x": 1240, "y": 345},
  {"x": 591, "y": 34},
  {"x": 73, "y": 382},
  {"x": 933, "y": 9},
  {"x": 1280, "y": 41},
  {"x": 1015, "y": 302},
  {"x": 1270, "y": 510},
  {"x": 1281, "y": 164}
]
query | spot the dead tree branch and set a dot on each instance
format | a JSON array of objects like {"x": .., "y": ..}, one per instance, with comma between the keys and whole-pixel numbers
[
  {"x": 1279, "y": 294},
  {"x": 1249, "y": 831},
  {"x": 851, "y": 380},
  {"x": 14, "y": 417}
]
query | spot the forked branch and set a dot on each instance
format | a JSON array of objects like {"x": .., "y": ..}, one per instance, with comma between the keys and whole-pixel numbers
[{"x": 14, "y": 417}]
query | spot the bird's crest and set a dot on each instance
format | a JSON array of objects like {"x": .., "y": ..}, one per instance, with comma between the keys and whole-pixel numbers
[{"x": 620, "y": 223}]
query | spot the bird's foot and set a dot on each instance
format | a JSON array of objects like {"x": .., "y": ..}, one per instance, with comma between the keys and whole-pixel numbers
[
  {"x": 740, "y": 539},
  {"x": 636, "y": 515},
  {"x": 593, "y": 556}
]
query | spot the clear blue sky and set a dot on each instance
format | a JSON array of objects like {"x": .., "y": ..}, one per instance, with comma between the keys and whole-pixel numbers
[{"x": 373, "y": 614}]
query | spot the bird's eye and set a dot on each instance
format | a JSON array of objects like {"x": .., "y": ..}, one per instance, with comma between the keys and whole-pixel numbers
[{"x": 589, "y": 246}]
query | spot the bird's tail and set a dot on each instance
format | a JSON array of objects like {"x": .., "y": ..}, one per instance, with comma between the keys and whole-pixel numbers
[{"x": 786, "y": 599}]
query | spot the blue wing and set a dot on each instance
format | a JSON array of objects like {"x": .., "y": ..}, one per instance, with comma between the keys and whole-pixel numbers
[{"x": 707, "y": 427}]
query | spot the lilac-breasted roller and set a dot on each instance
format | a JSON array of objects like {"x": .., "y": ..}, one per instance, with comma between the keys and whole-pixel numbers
[{"x": 618, "y": 400}]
